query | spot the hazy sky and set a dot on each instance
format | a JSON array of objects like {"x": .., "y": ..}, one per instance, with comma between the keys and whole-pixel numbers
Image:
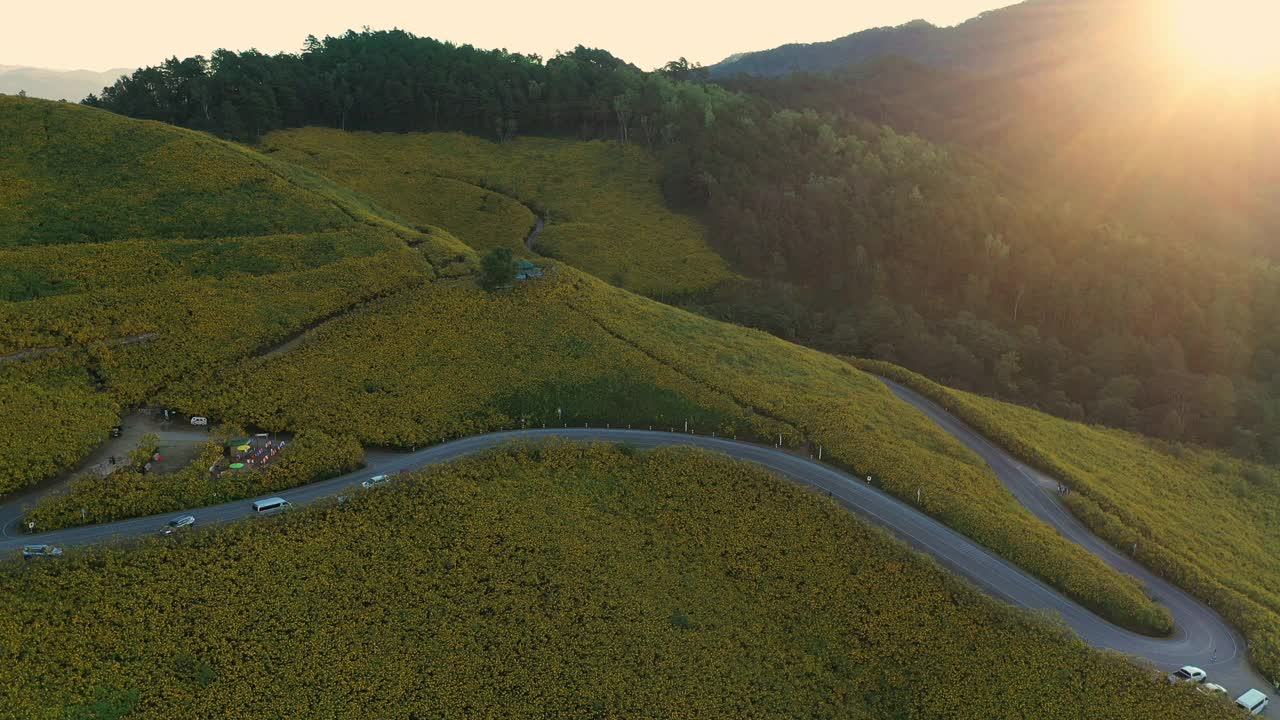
[{"x": 97, "y": 35}]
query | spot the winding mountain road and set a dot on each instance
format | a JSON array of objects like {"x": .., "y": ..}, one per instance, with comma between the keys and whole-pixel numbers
[{"x": 1202, "y": 637}]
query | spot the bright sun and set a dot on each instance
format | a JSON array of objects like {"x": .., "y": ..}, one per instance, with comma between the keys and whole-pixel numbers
[{"x": 1234, "y": 38}]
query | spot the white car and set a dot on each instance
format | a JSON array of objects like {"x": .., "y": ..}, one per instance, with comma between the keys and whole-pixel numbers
[
  {"x": 1211, "y": 688},
  {"x": 1187, "y": 673},
  {"x": 375, "y": 481},
  {"x": 198, "y": 420},
  {"x": 1255, "y": 701}
]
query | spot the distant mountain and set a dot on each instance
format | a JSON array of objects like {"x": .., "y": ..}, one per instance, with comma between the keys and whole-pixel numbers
[
  {"x": 1078, "y": 97},
  {"x": 1016, "y": 38},
  {"x": 72, "y": 85},
  {"x": 917, "y": 40}
]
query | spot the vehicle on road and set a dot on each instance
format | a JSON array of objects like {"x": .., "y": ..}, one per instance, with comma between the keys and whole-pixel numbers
[
  {"x": 116, "y": 431},
  {"x": 1187, "y": 673},
  {"x": 1211, "y": 688},
  {"x": 36, "y": 551},
  {"x": 178, "y": 523},
  {"x": 375, "y": 481},
  {"x": 270, "y": 506},
  {"x": 197, "y": 420},
  {"x": 1255, "y": 701}
]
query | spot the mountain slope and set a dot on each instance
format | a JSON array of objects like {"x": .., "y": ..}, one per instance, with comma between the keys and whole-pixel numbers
[
  {"x": 376, "y": 331},
  {"x": 601, "y": 200},
  {"x": 236, "y": 252},
  {"x": 1083, "y": 98},
  {"x": 1031, "y": 36}
]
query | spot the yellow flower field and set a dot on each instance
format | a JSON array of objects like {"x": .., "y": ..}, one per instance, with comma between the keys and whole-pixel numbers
[
  {"x": 152, "y": 253},
  {"x": 604, "y": 208},
  {"x": 566, "y": 581},
  {"x": 447, "y": 360}
]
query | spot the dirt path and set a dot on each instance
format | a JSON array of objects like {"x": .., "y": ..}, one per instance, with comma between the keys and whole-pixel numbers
[
  {"x": 38, "y": 352},
  {"x": 532, "y": 237},
  {"x": 178, "y": 444}
]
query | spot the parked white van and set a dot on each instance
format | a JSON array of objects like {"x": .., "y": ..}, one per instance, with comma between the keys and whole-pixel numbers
[
  {"x": 1255, "y": 701},
  {"x": 197, "y": 420},
  {"x": 268, "y": 506}
]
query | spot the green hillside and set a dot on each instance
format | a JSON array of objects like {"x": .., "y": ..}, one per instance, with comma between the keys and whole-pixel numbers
[
  {"x": 74, "y": 174},
  {"x": 604, "y": 208},
  {"x": 406, "y": 351},
  {"x": 447, "y": 360},
  {"x": 1209, "y": 522},
  {"x": 567, "y": 581},
  {"x": 373, "y": 332},
  {"x": 93, "y": 322}
]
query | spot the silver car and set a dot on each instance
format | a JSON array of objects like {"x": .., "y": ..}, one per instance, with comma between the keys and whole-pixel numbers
[
  {"x": 375, "y": 481},
  {"x": 178, "y": 523},
  {"x": 36, "y": 551}
]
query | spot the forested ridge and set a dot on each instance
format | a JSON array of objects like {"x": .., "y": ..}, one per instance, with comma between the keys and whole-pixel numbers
[
  {"x": 861, "y": 239},
  {"x": 395, "y": 81}
]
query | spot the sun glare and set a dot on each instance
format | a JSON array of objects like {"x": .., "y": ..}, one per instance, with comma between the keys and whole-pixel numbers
[{"x": 1227, "y": 38}]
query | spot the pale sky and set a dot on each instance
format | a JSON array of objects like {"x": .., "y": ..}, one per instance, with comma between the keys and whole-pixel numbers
[{"x": 101, "y": 34}]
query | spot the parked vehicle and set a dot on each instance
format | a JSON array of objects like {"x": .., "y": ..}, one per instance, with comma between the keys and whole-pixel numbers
[
  {"x": 197, "y": 420},
  {"x": 1255, "y": 701},
  {"x": 375, "y": 481},
  {"x": 1211, "y": 688},
  {"x": 1187, "y": 673},
  {"x": 178, "y": 523},
  {"x": 35, "y": 551},
  {"x": 116, "y": 431},
  {"x": 270, "y": 506}
]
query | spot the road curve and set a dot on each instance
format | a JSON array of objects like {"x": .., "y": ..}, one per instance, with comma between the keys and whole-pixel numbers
[
  {"x": 1201, "y": 631},
  {"x": 1201, "y": 638}
]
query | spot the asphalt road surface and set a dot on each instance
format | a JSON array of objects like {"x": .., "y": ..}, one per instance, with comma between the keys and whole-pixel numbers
[{"x": 1202, "y": 638}]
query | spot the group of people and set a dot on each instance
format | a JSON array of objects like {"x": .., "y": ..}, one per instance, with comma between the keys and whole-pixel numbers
[{"x": 260, "y": 455}]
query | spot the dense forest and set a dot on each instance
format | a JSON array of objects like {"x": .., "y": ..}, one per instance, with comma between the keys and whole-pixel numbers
[
  {"x": 879, "y": 244},
  {"x": 394, "y": 81},
  {"x": 859, "y": 239}
]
